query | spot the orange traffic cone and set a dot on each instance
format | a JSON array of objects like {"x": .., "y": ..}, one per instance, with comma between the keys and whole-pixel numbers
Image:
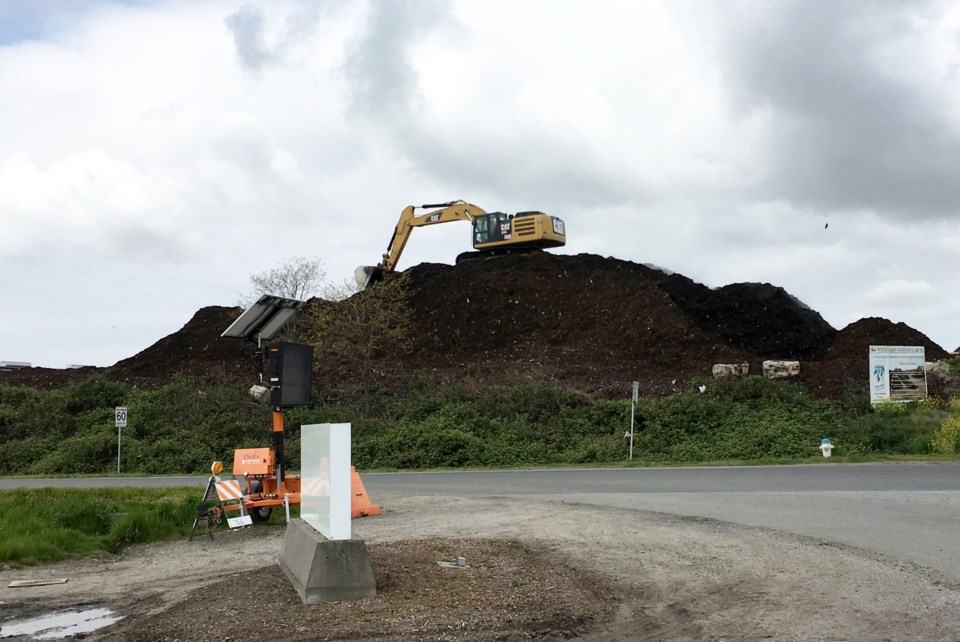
[{"x": 360, "y": 505}]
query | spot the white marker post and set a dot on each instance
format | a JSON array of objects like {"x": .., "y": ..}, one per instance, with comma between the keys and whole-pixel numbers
[
  {"x": 120, "y": 414},
  {"x": 633, "y": 407},
  {"x": 325, "y": 479}
]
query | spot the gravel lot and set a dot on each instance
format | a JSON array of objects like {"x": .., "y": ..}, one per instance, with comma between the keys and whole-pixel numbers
[{"x": 643, "y": 576}]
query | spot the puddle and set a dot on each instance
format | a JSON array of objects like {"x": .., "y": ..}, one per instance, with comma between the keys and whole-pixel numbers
[{"x": 60, "y": 624}]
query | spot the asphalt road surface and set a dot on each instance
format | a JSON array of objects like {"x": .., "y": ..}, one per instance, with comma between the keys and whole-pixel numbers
[{"x": 910, "y": 511}]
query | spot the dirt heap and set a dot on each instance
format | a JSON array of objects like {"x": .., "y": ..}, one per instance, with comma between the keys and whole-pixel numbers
[
  {"x": 196, "y": 349},
  {"x": 852, "y": 342},
  {"x": 847, "y": 359},
  {"x": 589, "y": 322},
  {"x": 581, "y": 319},
  {"x": 597, "y": 322},
  {"x": 757, "y": 317}
]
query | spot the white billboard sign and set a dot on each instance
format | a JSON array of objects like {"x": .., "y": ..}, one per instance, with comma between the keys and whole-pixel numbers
[
  {"x": 897, "y": 373},
  {"x": 325, "y": 479}
]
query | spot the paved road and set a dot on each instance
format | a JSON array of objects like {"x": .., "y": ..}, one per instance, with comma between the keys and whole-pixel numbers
[{"x": 910, "y": 511}]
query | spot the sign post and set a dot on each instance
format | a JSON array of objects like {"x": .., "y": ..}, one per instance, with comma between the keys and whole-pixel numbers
[
  {"x": 120, "y": 414},
  {"x": 633, "y": 408}
]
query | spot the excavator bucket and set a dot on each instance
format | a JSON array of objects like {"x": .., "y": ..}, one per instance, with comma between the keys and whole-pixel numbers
[{"x": 368, "y": 275}]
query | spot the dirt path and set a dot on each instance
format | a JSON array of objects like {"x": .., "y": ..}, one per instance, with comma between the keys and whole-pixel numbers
[{"x": 679, "y": 578}]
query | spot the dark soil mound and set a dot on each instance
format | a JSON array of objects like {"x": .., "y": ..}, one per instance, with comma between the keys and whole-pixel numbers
[
  {"x": 854, "y": 341},
  {"x": 847, "y": 361},
  {"x": 597, "y": 322},
  {"x": 592, "y": 323},
  {"x": 756, "y": 317},
  {"x": 196, "y": 349},
  {"x": 579, "y": 318},
  {"x": 47, "y": 377}
]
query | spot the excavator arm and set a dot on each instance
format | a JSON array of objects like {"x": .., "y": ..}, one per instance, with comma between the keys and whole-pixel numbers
[{"x": 452, "y": 211}]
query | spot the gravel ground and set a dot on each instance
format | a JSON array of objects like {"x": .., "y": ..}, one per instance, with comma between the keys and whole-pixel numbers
[{"x": 619, "y": 575}]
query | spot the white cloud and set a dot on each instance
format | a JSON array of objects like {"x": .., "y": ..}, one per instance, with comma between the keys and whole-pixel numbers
[
  {"x": 154, "y": 156},
  {"x": 902, "y": 293},
  {"x": 861, "y": 98}
]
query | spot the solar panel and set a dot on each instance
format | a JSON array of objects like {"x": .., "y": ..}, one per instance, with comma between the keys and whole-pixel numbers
[{"x": 264, "y": 318}]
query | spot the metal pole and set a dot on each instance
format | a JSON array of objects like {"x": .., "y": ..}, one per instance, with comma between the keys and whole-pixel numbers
[
  {"x": 633, "y": 407},
  {"x": 118, "y": 449}
]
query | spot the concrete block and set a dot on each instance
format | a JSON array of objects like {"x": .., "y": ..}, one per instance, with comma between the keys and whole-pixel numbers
[
  {"x": 781, "y": 369},
  {"x": 731, "y": 369},
  {"x": 325, "y": 570}
]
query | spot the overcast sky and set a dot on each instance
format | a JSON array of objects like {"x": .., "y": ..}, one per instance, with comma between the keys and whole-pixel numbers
[{"x": 154, "y": 155}]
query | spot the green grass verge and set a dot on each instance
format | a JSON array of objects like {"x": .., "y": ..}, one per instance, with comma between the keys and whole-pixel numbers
[{"x": 45, "y": 525}]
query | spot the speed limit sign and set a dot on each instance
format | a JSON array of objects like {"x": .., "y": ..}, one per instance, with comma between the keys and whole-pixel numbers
[{"x": 121, "y": 416}]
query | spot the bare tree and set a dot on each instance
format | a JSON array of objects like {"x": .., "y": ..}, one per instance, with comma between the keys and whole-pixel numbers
[
  {"x": 340, "y": 291},
  {"x": 296, "y": 278}
]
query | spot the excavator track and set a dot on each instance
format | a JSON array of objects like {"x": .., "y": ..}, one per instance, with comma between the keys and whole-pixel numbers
[{"x": 467, "y": 257}]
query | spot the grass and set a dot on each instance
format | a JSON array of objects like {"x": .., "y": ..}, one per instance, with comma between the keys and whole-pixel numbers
[{"x": 45, "y": 525}]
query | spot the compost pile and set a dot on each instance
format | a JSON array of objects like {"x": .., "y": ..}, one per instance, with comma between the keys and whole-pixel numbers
[{"x": 588, "y": 322}]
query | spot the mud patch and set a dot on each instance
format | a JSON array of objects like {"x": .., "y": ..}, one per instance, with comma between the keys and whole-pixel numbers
[{"x": 60, "y": 623}]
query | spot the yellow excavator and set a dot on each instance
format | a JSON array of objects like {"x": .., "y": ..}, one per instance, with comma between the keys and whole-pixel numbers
[{"x": 493, "y": 233}]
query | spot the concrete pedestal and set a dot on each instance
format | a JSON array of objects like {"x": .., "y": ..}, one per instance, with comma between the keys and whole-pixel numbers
[{"x": 325, "y": 570}]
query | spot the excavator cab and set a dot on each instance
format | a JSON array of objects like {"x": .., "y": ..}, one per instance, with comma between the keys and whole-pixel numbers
[
  {"x": 520, "y": 230},
  {"x": 491, "y": 228}
]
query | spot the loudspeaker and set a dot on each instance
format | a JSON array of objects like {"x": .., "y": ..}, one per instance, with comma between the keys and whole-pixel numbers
[{"x": 291, "y": 375}]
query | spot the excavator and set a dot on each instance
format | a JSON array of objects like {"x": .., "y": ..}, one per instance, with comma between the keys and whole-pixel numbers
[{"x": 493, "y": 233}]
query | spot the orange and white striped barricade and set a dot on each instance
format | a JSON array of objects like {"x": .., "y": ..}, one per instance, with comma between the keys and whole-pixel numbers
[{"x": 230, "y": 494}]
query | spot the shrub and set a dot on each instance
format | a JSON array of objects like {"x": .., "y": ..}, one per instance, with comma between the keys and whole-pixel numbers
[
  {"x": 188, "y": 423},
  {"x": 95, "y": 392},
  {"x": 34, "y": 413},
  {"x": 946, "y": 441},
  {"x": 891, "y": 408},
  {"x": 86, "y": 453},
  {"x": 953, "y": 366}
]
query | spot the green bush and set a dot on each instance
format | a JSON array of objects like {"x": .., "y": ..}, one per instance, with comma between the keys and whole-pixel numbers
[
  {"x": 897, "y": 428},
  {"x": 946, "y": 441},
  {"x": 953, "y": 366},
  {"x": 94, "y": 452},
  {"x": 741, "y": 418},
  {"x": 34, "y": 414},
  {"x": 185, "y": 425},
  {"x": 188, "y": 453},
  {"x": 95, "y": 392}
]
